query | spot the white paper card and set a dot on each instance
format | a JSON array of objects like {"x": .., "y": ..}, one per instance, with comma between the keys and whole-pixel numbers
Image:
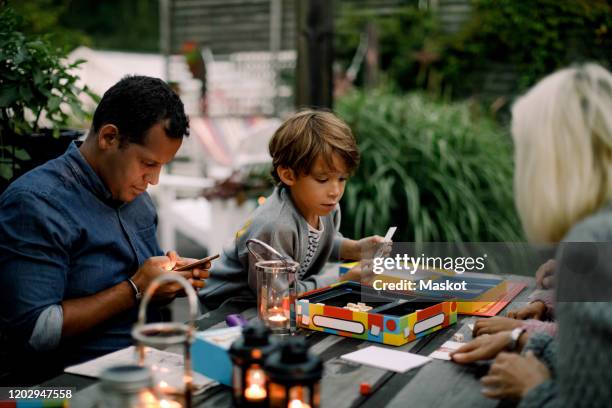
[
  {"x": 393, "y": 360},
  {"x": 166, "y": 366},
  {"x": 443, "y": 353}
]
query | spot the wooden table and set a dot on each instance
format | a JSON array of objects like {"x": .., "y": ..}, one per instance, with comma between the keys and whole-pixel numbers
[{"x": 436, "y": 384}]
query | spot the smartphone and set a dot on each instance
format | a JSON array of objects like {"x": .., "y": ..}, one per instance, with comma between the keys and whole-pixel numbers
[{"x": 196, "y": 263}]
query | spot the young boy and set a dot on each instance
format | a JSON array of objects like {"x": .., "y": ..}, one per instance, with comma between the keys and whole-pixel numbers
[{"x": 313, "y": 153}]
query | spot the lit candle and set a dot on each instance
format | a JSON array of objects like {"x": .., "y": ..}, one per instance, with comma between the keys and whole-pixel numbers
[
  {"x": 165, "y": 388},
  {"x": 276, "y": 317},
  {"x": 169, "y": 404},
  {"x": 255, "y": 380},
  {"x": 297, "y": 404},
  {"x": 255, "y": 392}
]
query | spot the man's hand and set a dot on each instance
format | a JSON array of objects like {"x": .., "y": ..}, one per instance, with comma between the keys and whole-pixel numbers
[
  {"x": 494, "y": 325},
  {"x": 534, "y": 310},
  {"x": 484, "y": 347},
  {"x": 197, "y": 275},
  {"x": 512, "y": 376},
  {"x": 158, "y": 265}
]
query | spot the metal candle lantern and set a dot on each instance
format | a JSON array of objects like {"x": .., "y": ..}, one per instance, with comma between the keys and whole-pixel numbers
[
  {"x": 248, "y": 354},
  {"x": 166, "y": 334},
  {"x": 294, "y": 376},
  {"x": 276, "y": 288}
]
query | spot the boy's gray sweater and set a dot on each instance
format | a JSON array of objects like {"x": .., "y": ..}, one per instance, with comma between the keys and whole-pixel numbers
[{"x": 278, "y": 223}]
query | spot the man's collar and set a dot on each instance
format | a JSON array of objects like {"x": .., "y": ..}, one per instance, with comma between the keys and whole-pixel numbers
[{"x": 85, "y": 174}]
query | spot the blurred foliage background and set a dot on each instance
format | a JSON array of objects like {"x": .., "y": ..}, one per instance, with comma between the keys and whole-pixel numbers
[
  {"x": 526, "y": 38},
  {"x": 110, "y": 24},
  {"x": 436, "y": 150},
  {"x": 438, "y": 171}
]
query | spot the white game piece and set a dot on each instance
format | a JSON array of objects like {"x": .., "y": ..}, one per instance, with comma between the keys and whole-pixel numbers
[
  {"x": 458, "y": 337},
  {"x": 305, "y": 320},
  {"x": 375, "y": 330}
]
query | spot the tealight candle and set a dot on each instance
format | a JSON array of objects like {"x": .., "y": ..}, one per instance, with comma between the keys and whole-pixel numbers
[
  {"x": 169, "y": 404},
  {"x": 276, "y": 318},
  {"x": 298, "y": 404},
  {"x": 256, "y": 382},
  {"x": 248, "y": 354}
]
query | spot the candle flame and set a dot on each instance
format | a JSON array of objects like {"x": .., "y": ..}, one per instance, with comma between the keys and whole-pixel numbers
[{"x": 298, "y": 404}]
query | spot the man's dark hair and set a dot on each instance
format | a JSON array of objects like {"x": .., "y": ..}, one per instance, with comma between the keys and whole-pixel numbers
[{"x": 135, "y": 104}]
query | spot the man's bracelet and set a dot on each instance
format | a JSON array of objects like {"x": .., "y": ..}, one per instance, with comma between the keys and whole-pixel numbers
[{"x": 137, "y": 292}]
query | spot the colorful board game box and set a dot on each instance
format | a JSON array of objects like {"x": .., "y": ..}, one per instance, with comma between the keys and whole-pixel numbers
[
  {"x": 392, "y": 319},
  {"x": 486, "y": 295}
]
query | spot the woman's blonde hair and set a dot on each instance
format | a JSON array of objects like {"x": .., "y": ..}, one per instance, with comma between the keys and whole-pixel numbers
[{"x": 562, "y": 130}]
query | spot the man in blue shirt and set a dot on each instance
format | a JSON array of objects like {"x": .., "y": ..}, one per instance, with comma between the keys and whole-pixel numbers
[{"x": 78, "y": 235}]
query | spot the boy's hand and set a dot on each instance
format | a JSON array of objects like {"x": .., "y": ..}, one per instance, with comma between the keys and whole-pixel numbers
[
  {"x": 365, "y": 248},
  {"x": 359, "y": 273}
]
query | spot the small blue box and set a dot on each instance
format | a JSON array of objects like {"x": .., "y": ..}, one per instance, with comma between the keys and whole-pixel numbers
[{"x": 209, "y": 353}]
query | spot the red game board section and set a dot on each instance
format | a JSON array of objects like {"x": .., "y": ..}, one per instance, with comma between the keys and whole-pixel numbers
[
  {"x": 430, "y": 311},
  {"x": 512, "y": 290},
  {"x": 375, "y": 320},
  {"x": 338, "y": 312}
]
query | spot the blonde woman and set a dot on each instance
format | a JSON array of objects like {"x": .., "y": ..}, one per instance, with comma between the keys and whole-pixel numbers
[{"x": 562, "y": 129}]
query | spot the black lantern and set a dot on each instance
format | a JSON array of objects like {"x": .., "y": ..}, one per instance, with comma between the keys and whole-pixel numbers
[
  {"x": 294, "y": 376},
  {"x": 248, "y": 354}
]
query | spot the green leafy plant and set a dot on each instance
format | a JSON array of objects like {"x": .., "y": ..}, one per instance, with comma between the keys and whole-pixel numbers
[
  {"x": 533, "y": 38},
  {"x": 404, "y": 37},
  {"x": 437, "y": 171},
  {"x": 34, "y": 82},
  {"x": 522, "y": 40}
]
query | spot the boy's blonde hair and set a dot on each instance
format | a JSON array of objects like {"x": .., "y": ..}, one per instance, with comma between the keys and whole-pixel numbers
[
  {"x": 562, "y": 130},
  {"x": 307, "y": 134}
]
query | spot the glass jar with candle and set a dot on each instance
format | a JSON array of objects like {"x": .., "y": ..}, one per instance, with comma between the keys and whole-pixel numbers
[
  {"x": 276, "y": 287},
  {"x": 127, "y": 386},
  {"x": 165, "y": 334},
  {"x": 294, "y": 376},
  {"x": 248, "y": 353}
]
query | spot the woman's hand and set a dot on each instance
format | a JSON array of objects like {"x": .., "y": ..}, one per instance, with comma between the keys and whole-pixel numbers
[
  {"x": 534, "y": 310},
  {"x": 484, "y": 347},
  {"x": 512, "y": 376},
  {"x": 494, "y": 325},
  {"x": 545, "y": 275}
]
